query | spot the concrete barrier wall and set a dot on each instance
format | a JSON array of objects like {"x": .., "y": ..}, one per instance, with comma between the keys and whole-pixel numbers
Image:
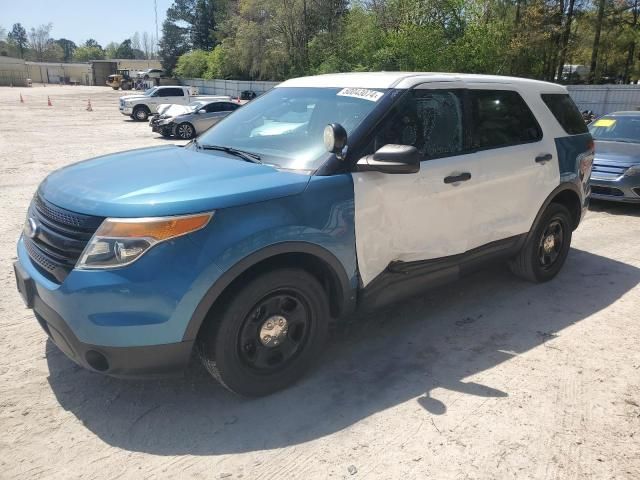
[
  {"x": 232, "y": 88},
  {"x": 605, "y": 98}
]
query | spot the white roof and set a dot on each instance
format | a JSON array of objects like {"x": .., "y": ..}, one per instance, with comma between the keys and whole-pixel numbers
[{"x": 404, "y": 80}]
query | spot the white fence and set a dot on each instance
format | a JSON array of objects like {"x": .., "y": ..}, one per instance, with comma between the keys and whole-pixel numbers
[
  {"x": 605, "y": 98},
  {"x": 599, "y": 98},
  {"x": 232, "y": 88}
]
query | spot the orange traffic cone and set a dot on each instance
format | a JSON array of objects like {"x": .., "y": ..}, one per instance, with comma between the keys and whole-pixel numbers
[
  {"x": 49, "y": 101},
  {"x": 21, "y": 99},
  {"x": 89, "y": 109}
]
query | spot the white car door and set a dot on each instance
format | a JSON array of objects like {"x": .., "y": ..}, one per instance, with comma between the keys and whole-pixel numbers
[
  {"x": 512, "y": 178},
  {"x": 419, "y": 216}
]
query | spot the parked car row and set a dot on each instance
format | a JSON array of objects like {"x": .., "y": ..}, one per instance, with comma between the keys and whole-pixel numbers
[
  {"x": 140, "y": 106},
  {"x": 188, "y": 121}
]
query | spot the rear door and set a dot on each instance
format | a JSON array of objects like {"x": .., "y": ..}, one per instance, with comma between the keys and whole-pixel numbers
[
  {"x": 514, "y": 162},
  {"x": 174, "y": 95},
  {"x": 213, "y": 113},
  {"x": 420, "y": 216}
]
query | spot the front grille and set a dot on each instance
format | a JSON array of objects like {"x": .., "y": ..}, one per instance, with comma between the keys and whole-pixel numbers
[
  {"x": 613, "y": 192},
  {"x": 608, "y": 170},
  {"x": 59, "y": 239}
]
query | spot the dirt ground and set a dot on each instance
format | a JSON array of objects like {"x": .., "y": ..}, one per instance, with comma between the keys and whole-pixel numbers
[{"x": 488, "y": 378}]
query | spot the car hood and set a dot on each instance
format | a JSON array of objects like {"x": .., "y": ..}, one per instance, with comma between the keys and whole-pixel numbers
[
  {"x": 166, "y": 180},
  {"x": 172, "y": 109},
  {"x": 127, "y": 98},
  {"x": 617, "y": 153}
]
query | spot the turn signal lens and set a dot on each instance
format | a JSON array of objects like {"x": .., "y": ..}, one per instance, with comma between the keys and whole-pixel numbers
[
  {"x": 121, "y": 241},
  {"x": 158, "y": 229}
]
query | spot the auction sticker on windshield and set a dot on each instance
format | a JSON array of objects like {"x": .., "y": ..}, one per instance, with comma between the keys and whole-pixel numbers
[
  {"x": 605, "y": 122},
  {"x": 363, "y": 93}
]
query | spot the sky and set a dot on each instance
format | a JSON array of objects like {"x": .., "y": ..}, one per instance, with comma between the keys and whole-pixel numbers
[{"x": 104, "y": 20}]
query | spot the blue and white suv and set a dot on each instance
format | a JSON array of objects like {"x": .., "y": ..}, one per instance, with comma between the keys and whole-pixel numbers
[{"x": 327, "y": 194}]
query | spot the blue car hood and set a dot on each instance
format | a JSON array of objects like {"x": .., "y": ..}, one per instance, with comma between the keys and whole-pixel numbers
[
  {"x": 617, "y": 153},
  {"x": 167, "y": 180}
]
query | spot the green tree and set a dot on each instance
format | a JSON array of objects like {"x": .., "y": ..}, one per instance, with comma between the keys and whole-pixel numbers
[
  {"x": 85, "y": 54},
  {"x": 125, "y": 50},
  {"x": 174, "y": 43},
  {"x": 18, "y": 37},
  {"x": 192, "y": 64},
  {"x": 111, "y": 49},
  {"x": 68, "y": 47}
]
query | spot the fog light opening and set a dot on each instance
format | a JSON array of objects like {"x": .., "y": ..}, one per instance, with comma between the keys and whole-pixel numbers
[{"x": 97, "y": 361}]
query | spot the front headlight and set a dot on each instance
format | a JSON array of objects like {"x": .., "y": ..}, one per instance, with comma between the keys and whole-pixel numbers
[
  {"x": 121, "y": 241},
  {"x": 165, "y": 121},
  {"x": 632, "y": 171}
]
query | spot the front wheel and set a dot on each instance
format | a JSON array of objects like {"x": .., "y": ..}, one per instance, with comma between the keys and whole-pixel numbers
[
  {"x": 268, "y": 334},
  {"x": 547, "y": 247},
  {"x": 185, "y": 131}
]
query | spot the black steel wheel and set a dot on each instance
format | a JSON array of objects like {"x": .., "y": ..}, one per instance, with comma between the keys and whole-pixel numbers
[
  {"x": 550, "y": 244},
  {"x": 274, "y": 331},
  {"x": 547, "y": 247},
  {"x": 268, "y": 334}
]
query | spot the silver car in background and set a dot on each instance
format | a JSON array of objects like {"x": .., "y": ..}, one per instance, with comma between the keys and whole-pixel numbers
[{"x": 193, "y": 119}]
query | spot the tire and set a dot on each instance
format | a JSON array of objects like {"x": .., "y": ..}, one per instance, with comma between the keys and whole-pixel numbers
[
  {"x": 542, "y": 257},
  {"x": 115, "y": 88},
  {"x": 185, "y": 131},
  {"x": 237, "y": 350},
  {"x": 141, "y": 114}
]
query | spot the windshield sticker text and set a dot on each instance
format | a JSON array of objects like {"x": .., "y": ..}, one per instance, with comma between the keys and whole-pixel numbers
[{"x": 363, "y": 93}]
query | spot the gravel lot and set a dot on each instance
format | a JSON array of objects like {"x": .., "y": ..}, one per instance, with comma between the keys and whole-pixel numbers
[{"x": 490, "y": 377}]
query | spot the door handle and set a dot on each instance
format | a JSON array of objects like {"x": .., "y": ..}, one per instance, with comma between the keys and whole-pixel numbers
[
  {"x": 543, "y": 158},
  {"x": 463, "y": 177}
]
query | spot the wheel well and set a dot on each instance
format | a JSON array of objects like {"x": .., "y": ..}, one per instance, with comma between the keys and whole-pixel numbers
[
  {"x": 142, "y": 107},
  {"x": 305, "y": 261},
  {"x": 571, "y": 201}
]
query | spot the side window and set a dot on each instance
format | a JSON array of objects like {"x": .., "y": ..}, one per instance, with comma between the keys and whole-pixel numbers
[
  {"x": 566, "y": 112},
  {"x": 430, "y": 120},
  {"x": 173, "y": 92},
  {"x": 228, "y": 107},
  {"x": 501, "y": 118},
  {"x": 212, "y": 107}
]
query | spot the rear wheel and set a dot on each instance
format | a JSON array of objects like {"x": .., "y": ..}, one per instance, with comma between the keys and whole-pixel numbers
[
  {"x": 268, "y": 334},
  {"x": 141, "y": 113},
  {"x": 185, "y": 131},
  {"x": 547, "y": 248}
]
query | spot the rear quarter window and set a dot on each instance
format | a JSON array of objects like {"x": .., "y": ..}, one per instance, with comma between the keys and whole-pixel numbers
[
  {"x": 501, "y": 118},
  {"x": 566, "y": 112}
]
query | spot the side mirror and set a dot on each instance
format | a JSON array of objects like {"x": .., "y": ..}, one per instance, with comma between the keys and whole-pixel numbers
[
  {"x": 392, "y": 159},
  {"x": 335, "y": 139}
]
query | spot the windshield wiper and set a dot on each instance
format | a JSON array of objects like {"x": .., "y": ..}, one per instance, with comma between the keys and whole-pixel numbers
[{"x": 246, "y": 156}]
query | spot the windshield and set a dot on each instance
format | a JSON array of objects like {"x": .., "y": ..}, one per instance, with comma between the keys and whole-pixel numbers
[
  {"x": 285, "y": 126},
  {"x": 193, "y": 106},
  {"x": 151, "y": 91},
  {"x": 615, "y": 128}
]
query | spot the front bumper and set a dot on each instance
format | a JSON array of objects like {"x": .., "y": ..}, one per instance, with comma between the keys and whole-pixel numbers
[
  {"x": 165, "y": 128},
  {"x": 126, "y": 322},
  {"x": 143, "y": 361},
  {"x": 126, "y": 111},
  {"x": 621, "y": 189}
]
